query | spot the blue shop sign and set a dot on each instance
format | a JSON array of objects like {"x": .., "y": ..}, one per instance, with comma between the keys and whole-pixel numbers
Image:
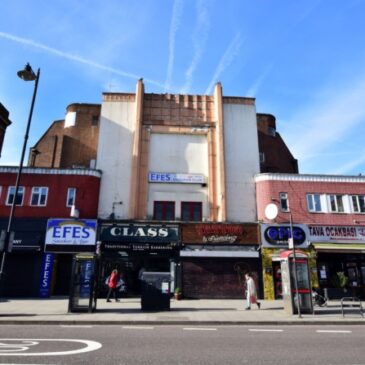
[
  {"x": 278, "y": 235},
  {"x": 46, "y": 275}
]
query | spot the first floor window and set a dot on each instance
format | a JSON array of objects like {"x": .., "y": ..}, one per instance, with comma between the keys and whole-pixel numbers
[
  {"x": 358, "y": 203},
  {"x": 164, "y": 210},
  {"x": 314, "y": 203},
  {"x": 336, "y": 203},
  {"x": 191, "y": 211},
  {"x": 71, "y": 197},
  {"x": 19, "y": 195},
  {"x": 39, "y": 196},
  {"x": 284, "y": 204}
]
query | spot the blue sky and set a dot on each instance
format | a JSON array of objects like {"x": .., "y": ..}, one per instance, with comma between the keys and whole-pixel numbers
[{"x": 303, "y": 61}]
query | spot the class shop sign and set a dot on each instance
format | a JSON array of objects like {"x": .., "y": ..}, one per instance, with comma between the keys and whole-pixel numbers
[
  {"x": 140, "y": 233},
  {"x": 65, "y": 235}
]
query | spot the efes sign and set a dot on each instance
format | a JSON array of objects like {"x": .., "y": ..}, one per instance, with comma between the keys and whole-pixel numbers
[
  {"x": 278, "y": 235},
  {"x": 67, "y": 235}
]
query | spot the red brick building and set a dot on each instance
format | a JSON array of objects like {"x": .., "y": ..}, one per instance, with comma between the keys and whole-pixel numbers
[
  {"x": 43, "y": 194},
  {"x": 71, "y": 142},
  {"x": 330, "y": 210}
]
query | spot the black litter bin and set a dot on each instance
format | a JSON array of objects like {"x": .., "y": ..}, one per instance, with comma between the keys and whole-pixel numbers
[{"x": 155, "y": 291}]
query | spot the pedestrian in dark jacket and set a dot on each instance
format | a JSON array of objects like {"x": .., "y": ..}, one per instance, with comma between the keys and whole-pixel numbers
[{"x": 112, "y": 284}]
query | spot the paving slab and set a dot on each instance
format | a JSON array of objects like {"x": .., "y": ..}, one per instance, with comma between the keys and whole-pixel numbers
[{"x": 198, "y": 312}]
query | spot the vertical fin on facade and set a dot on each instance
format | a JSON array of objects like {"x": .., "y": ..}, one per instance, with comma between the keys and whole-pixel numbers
[
  {"x": 136, "y": 154},
  {"x": 220, "y": 162}
]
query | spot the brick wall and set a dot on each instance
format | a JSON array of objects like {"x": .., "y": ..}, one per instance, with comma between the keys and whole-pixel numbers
[
  {"x": 72, "y": 146},
  {"x": 297, "y": 190}
]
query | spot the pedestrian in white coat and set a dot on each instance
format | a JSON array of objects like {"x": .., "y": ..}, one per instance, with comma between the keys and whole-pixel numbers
[{"x": 251, "y": 293}]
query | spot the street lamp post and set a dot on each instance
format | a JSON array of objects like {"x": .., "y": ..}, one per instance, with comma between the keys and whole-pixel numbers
[
  {"x": 271, "y": 212},
  {"x": 291, "y": 239},
  {"x": 27, "y": 75}
]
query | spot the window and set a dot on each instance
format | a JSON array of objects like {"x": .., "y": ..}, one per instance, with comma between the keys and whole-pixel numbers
[
  {"x": 71, "y": 197},
  {"x": 284, "y": 203},
  {"x": 336, "y": 203},
  {"x": 262, "y": 157},
  {"x": 39, "y": 196},
  {"x": 358, "y": 203},
  {"x": 163, "y": 210},
  {"x": 191, "y": 211},
  {"x": 19, "y": 196},
  {"x": 271, "y": 131},
  {"x": 314, "y": 203}
]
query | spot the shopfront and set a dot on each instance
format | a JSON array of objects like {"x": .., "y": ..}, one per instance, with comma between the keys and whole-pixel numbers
[
  {"x": 23, "y": 265},
  {"x": 133, "y": 247},
  {"x": 63, "y": 239},
  {"x": 340, "y": 254},
  {"x": 275, "y": 240},
  {"x": 215, "y": 257}
]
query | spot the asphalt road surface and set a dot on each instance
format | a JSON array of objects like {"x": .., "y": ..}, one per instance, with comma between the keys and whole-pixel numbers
[{"x": 152, "y": 345}]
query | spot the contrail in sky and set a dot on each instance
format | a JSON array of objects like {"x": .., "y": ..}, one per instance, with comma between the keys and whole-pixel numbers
[
  {"x": 226, "y": 60},
  {"x": 72, "y": 57},
  {"x": 200, "y": 37},
  {"x": 174, "y": 26}
]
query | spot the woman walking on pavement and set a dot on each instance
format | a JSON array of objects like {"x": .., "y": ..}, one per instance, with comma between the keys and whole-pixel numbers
[
  {"x": 112, "y": 284},
  {"x": 251, "y": 293}
]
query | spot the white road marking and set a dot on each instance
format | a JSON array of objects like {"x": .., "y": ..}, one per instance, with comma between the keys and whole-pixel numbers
[
  {"x": 75, "y": 326},
  {"x": 333, "y": 331},
  {"x": 138, "y": 327},
  {"x": 265, "y": 330},
  {"x": 199, "y": 329},
  {"x": 20, "y": 346}
]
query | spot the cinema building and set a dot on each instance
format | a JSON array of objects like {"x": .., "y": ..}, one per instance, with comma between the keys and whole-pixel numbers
[
  {"x": 327, "y": 214},
  {"x": 177, "y": 191}
]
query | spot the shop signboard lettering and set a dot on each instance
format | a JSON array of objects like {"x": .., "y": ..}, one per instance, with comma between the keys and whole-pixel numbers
[
  {"x": 66, "y": 235},
  {"x": 211, "y": 233},
  {"x": 46, "y": 275},
  {"x": 278, "y": 235},
  {"x": 168, "y": 177},
  {"x": 138, "y": 247},
  {"x": 140, "y": 233},
  {"x": 337, "y": 234}
]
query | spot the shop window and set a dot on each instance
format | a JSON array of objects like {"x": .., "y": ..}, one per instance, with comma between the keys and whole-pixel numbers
[
  {"x": 284, "y": 202},
  {"x": 336, "y": 203},
  {"x": 19, "y": 196},
  {"x": 358, "y": 203},
  {"x": 191, "y": 211},
  {"x": 164, "y": 210},
  {"x": 39, "y": 196},
  {"x": 314, "y": 203},
  {"x": 71, "y": 197}
]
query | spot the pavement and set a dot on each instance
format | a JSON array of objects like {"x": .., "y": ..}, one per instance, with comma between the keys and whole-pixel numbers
[{"x": 182, "y": 312}]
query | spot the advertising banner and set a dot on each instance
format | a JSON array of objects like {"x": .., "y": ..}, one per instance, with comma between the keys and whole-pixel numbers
[
  {"x": 278, "y": 235},
  {"x": 67, "y": 235},
  {"x": 337, "y": 234}
]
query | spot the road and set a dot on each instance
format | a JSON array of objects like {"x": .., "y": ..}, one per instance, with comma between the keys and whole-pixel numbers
[{"x": 152, "y": 345}]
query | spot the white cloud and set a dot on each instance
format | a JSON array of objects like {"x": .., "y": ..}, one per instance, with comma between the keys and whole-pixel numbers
[
  {"x": 318, "y": 129},
  {"x": 200, "y": 37},
  {"x": 253, "y": 89},
  {"x": 174, "y": 26},
  {"x": 75, "y": 58},
  {"x": 227, "y": 58}
]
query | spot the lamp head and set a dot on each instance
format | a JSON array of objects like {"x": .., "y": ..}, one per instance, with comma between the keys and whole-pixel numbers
[{"x": 27, "y": 74}]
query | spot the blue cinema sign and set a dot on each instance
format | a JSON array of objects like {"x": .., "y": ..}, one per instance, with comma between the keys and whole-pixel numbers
[
  {"x": 273, "y": 235},
  {"x": 68, "y": 235}
]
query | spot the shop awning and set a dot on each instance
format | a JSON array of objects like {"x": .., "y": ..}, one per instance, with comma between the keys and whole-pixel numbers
[
  {"x": 339, "y": 247},
  {"x": 219, "y": 251}
]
